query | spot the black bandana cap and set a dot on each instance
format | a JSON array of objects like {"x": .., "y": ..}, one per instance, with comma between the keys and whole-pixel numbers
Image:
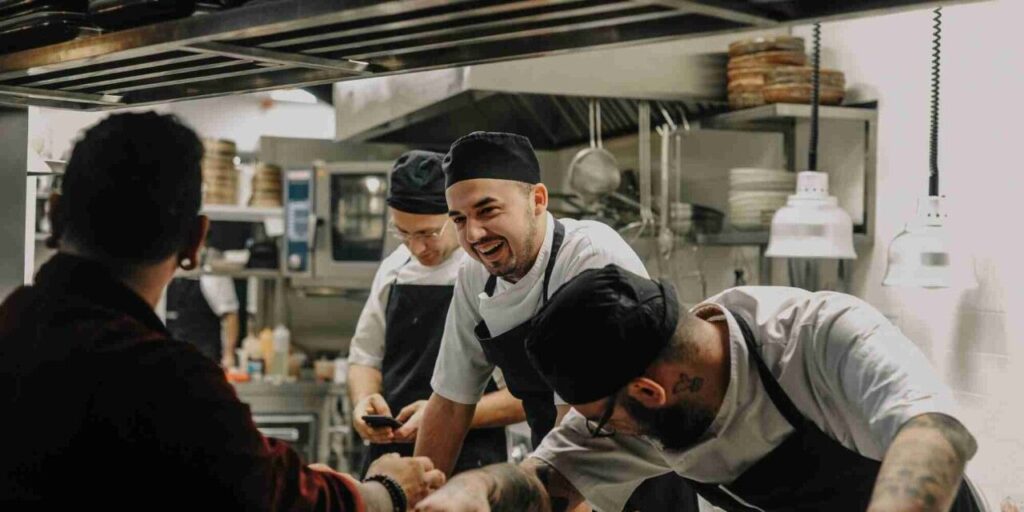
[
  {"x": 601, "y": 330},
  {"x": 417, "y": 184},
  {"x": 494, "y": 155}
]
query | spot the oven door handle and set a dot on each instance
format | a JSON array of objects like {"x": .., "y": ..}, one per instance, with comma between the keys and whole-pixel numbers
[{"x": 314, "y": 231}]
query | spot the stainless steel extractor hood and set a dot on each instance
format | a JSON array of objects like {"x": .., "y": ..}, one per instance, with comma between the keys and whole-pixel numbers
[{"x": 544, "y": 98}]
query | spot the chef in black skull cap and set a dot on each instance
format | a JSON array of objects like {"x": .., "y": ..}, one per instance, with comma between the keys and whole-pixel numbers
[
  {"x": 397, "y": 338},
  {"x": 518, "y": 256}
]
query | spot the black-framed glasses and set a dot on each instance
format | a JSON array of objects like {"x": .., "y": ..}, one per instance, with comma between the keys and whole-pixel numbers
[{"x": 600, "y": 428}]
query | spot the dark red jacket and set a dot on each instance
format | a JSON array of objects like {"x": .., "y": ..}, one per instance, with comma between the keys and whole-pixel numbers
[{"x": 101, "y": 410}]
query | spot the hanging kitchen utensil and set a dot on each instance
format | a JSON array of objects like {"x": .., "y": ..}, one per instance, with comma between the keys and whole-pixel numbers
[
  {"x": 669, "y": 159},
  {"x": 633, "y": 231},
  {"x": 594, "y": 172},
  {"x": 665, "y": 236}
]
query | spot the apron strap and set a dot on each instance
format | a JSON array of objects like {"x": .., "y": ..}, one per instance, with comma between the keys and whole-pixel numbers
[
  {"x": 772, "y": 386},
  {"x": 391, "y": 287},
  {"x": 556, "y": 244}
]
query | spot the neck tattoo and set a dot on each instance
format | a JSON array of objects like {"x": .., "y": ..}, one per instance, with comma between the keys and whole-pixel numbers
[{"x": 688, "y": 383}]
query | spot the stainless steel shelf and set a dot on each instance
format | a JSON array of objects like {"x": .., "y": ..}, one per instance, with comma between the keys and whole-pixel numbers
[
  {"x": 785, "y": 111},
  {"x": 757, "y": 238},
  {"x": 241, "y": 213},
  {"x": 55, "y": 167},
  {"x": 287, "y": 43}
]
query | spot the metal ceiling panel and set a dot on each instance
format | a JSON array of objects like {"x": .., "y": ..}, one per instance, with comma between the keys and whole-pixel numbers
[{"x": 272, "y": 44}]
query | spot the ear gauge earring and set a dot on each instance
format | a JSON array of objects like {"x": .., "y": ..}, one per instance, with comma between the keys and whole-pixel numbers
[{"x": 186, "y": 263}]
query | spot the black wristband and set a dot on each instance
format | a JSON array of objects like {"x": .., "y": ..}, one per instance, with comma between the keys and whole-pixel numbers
[{"x": 398, "y": 498}]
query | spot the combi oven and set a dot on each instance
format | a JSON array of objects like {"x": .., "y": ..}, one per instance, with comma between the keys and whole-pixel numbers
[{"x": 336, "y": 223}]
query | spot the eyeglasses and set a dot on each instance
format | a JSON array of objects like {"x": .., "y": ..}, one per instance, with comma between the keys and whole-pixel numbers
[
  {"x": 422, "y": 236},
  {"x": 599, "y": 428}
]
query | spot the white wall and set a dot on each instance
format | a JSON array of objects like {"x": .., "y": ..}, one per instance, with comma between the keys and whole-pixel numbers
[
  {"x": 974, "y": 336},
  {"x": 244, "y": 119},
  {"x": 247, "y": 117}
]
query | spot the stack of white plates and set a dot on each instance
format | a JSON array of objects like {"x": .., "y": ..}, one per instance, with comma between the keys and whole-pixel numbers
[{"x": 755, "y": 194}]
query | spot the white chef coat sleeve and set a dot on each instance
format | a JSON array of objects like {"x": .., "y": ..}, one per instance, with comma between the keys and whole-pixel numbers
[
  {"x": 879, "y": 373},
  {"x": 462, "y": 370},
  {"x": 367, "y": 345},
  {"x": 605, "y": 471},
  {"x": 219, "y": 292},
  {"x": 600, "y": 247}
]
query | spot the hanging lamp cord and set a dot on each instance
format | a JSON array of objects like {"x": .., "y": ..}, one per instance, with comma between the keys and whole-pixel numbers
[
  {"x": 933, "y": 149},
  {"x": 812, "y": 155}
]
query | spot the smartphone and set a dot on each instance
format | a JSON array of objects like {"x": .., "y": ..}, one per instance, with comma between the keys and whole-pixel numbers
[{"x": 377, "y": 421}]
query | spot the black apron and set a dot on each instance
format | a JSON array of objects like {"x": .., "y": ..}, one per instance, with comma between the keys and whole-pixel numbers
[
  {"x": 190, "y": 318},
  {"x": 415, "y": 318},
  {"x": 809, "y": 471},
  {"x": 508, "y": 352}
]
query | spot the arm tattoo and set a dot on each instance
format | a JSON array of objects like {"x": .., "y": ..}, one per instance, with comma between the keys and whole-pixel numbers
[
  {"x": 954, "y": 432},
  {"x": 921, "y": 469},
  {"x": 688, "y": 383}
]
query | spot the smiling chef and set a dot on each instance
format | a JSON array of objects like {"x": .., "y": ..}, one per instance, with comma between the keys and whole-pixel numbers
[{"x": 520, "y": 256}]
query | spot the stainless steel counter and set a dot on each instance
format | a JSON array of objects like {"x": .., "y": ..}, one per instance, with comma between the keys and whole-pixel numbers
[{"x": 309, "y": 415}]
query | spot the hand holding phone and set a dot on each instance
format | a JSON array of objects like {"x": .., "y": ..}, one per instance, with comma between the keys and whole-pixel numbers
[
  {"x": 373, "y": 405},
  {"x": 380, "y": 421}
]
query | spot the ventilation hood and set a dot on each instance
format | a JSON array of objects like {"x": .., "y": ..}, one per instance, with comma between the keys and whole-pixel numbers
[{"x": 544, "y": 99}]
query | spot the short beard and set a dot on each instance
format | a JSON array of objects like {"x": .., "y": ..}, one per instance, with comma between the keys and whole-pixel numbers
[
  {"x": 677, "y": 427},
  {"x": 521, "y": 263}
]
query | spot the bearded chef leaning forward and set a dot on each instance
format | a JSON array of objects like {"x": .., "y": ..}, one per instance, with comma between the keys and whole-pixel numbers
[
  {"x": 520, "y": 255},
  {"x": 762, "y": 398}
]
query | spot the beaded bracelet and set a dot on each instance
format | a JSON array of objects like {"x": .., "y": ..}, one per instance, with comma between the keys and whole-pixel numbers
[{"x": 398, "y": 498}]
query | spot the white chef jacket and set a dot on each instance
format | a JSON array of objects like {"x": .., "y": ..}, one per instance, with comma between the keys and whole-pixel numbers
[
  {"x": 462, "y": 369},
  {"x": 219, "y": 292},
  {"x": 840, "y": 361},
  {"x": 367, "y": 347}
]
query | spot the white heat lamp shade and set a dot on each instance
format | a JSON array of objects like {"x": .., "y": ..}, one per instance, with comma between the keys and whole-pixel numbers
[
  {"x": 811, "y": 225},
  {"x": 919, "y": 256}
]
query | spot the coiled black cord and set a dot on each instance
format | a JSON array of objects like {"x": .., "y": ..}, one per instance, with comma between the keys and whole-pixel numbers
[
  {"x": 933, "y": 149},
  {"x": 812, "y": 155}
]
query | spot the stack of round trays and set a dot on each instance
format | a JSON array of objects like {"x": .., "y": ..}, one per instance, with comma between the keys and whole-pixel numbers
[
  {"x": 266, "y": 187},
  {"x": 220, "y": 177},
  {"x": 750, "y": 62}
]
